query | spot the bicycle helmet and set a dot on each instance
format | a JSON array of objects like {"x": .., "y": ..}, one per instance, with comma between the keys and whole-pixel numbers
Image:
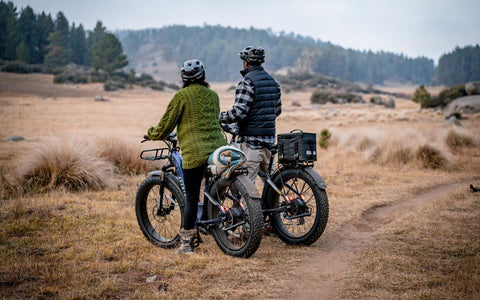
[
  {"x": 253, "y": 55},
  {"x": 225, "y": 160},
  {"x": 192, "y": 70}
]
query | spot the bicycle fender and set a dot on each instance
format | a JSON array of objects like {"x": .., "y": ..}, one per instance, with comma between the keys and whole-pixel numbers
[
  {"x": 155, "y": 173},
  {"x": 249, "y": 185},
  {"x": 168, "y": 176},
  {"x": 318, "y": 179}
]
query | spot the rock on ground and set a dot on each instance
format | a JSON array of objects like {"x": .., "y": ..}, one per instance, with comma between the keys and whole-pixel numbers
[{"x": 463, "y": 105}]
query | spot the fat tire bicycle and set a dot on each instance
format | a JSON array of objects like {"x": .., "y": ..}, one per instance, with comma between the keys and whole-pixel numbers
[
  {"x": 294, "y": 199},
  {"x": 234, "y": 216}
]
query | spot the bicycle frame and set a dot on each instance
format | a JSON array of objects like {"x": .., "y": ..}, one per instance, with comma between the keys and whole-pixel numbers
[{"x": 174, "y": 166}]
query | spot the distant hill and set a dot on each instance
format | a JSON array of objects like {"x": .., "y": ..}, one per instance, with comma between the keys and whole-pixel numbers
[{"x": 161, "y": 51}]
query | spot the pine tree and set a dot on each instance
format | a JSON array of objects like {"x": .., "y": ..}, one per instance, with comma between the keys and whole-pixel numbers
[
  {"x": 44, "y": 28},
  {"x": 108, "y": 54},
  {"x": 93, "y": 38},
  {"x": 59, "y": 48},
  {"x": 78, "y": 45},
  {"x": 460, "y": 66},
  {"x": 422, "y": 96},
  {"x": 9, "y": 34},
  {"x": 23, "y": 52},
  {"x": 27, "y": 50}
]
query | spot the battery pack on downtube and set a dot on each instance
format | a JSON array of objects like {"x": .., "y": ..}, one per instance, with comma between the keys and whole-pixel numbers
[{"x": 270, "y": 182}]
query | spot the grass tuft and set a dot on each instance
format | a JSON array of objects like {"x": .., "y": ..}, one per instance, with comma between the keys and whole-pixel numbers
[
  {"x": 459, "y": 137},
  {"x": 431, "y": 157},
  {"x": 406, "y": 147},
  {"x": 63, "y": 163},
  {"x": 124, "y": 156},
  {"x": 9, "y": 186}
]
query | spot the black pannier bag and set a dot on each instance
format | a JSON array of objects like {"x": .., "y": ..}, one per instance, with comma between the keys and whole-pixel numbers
[{"x": 297, "y": 147}]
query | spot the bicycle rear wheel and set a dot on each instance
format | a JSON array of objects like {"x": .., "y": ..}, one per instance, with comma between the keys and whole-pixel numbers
[
  {"x": 239, "y": 234},
  {"x": 160, "y": 229},
  {"x": 305, "y": 208}
]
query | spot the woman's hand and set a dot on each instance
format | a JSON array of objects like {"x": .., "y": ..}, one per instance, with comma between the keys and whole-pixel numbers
[{"x": 145, "y": 138}]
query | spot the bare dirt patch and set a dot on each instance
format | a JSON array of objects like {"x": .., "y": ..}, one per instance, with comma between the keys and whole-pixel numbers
[{"x": 322, "y": 275}]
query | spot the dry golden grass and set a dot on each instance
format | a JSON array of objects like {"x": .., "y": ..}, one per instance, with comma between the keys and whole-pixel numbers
[
  {"x": 432, "y": 254},
  {"x": 63, "y": 163},
  {"x": 87, "y": 245},
  {"x": 408, "y": 146},
  {"x": 123, "y": 155}
]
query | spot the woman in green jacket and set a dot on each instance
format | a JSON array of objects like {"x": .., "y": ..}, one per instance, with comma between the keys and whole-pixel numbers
[{"x": 194, "y": 110}]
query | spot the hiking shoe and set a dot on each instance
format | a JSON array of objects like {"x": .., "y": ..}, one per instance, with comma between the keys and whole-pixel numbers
[
  {"x": 185, "y": 248},
  {"x": 186, "y": 238}
]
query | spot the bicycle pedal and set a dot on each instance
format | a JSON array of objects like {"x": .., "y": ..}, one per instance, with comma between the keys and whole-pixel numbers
[{"x": 196, "y": 240}]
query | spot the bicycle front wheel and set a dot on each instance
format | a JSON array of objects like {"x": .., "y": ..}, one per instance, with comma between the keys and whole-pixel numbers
[
  {"x": 239, "y": 233},
  {"x": 160, "y": 227},
  {"x": 304, "y": 212}
]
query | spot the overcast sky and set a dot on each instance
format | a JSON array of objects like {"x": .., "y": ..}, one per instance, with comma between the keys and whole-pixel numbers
[{"x": 412, "y": 27}]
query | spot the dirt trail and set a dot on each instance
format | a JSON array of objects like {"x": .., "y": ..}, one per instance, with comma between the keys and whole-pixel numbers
[{"x": 318, "y": 277}]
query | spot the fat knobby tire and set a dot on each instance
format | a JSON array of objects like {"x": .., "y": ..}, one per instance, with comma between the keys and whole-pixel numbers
[
  {"x": 322, "y": 209},
  {"x": 254, "y": 209},
  {"x": 144, "y": 216}
]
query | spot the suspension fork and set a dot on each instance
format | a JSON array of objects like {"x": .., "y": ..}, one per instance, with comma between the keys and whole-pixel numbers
[{"x": 162, "y": 189}]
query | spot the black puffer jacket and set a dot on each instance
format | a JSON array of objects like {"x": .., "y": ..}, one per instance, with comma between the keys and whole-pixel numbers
[{"x": 260, "y": 120}]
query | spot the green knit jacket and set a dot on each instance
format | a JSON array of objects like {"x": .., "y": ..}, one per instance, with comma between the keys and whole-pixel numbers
[{"x": 194, "y": 110}]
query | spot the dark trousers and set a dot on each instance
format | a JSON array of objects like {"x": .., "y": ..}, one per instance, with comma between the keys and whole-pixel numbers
[{"x": 192, "y": 179}]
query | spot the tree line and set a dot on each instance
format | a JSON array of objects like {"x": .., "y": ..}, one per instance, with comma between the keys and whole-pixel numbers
[
  {"x": 459, "y": 66},
  {"x": 33, "y": 38},
  {"x": 39, "y": 39},
  {"x": 218, "y": 46}
]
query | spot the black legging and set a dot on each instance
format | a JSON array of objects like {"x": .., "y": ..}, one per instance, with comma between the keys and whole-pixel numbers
[{"x": 192, "y": 180}]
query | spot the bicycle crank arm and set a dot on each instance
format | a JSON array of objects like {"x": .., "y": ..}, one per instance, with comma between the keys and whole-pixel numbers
[
  {"x": 298, "y": 216},
  {"x": 233, "y": 226},
  {"x": 273, "y": 210}
]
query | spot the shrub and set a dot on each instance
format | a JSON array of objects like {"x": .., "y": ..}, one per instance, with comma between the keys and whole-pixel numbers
[
  {"x": 67, "y": 164},
  {"x": 449, "y": 94},
  {"x": 157, "y": 86},
  {"x": 16, "y": 67},
  {"x": 325, "y": 136},
  {"x": 145, "y": 80},
  {"x": 348, "y": 98},
  {"x": 320, "y": 97},
  {"x": 118, "y": 78},
  {"x": 422, "y": 96},
  {"x": 112, "y": 85},
  {"x": 98, "y": 76},
  {"x": 173, "y": 86},
  {"x": 72, "y": 73}
]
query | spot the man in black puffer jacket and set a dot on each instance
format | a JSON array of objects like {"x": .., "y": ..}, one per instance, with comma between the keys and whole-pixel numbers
[{"x": 257, "y": 105}]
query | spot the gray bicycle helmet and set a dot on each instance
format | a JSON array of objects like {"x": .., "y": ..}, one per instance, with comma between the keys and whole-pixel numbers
[
  {"x": 192, "y": 70},
  {"x": 253, "y": 55}
]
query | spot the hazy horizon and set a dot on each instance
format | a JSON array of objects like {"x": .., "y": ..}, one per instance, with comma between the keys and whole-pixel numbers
[{"x": 414, "y": 28}]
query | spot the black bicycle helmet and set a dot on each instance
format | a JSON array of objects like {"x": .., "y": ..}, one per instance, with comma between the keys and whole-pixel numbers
[
  {"x": 192, "y": 70},
  {"x": 253, "y": 55}
]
